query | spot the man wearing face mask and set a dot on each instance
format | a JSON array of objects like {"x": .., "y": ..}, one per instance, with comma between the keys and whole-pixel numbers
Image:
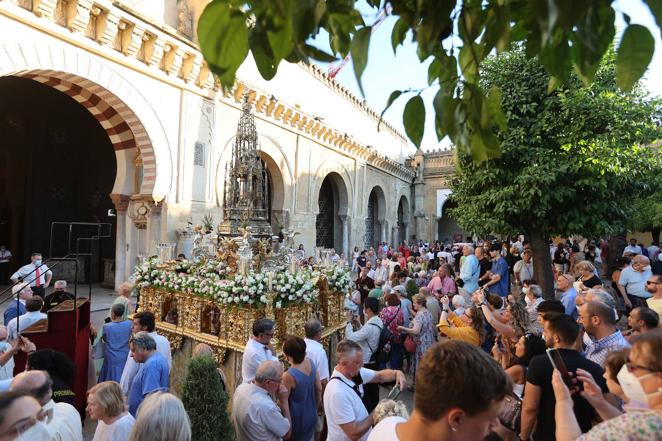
[
  {"x": 63, "y": 420},
  {"x": 641, "y": 381},
  {"x": 35, "y": 274}
]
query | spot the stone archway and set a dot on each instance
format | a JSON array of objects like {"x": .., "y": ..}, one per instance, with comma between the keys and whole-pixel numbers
[
  {"x": 279, "y": 176},
  {"x": 118, "y": 106},
  {"x": 331, "y": 222},
  {"x": 129, "y": 121},
  {"x": 375, "y": 223},
  {"x": 403, "y": 219}
]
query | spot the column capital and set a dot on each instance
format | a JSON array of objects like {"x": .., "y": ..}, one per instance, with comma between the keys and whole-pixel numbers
[{"x": 121, "y": 202}]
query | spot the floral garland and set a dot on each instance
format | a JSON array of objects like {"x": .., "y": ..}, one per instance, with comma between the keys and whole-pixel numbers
[{"x": 210, "y": 280}]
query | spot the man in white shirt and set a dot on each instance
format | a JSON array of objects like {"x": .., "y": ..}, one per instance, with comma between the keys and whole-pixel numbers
[
  {"x": 33, "y": 315},
  {"x": 258, "y": 348},
  {"x": 35, "y": 274},
  {"x": 347, "y": 417},
  {"x": 446, "y": 406},
  {"x": 144, "y": 321},
  {"x": 371, "y": 271},
  {"x": 255, "y": 415},
  {"x": 633, "y": 248},
  {"x": 63, "y": 420},
  {"x": 317, "y": 354},
  {"x": 523, "y": 269},
  {"x": 314, "y": 349}
]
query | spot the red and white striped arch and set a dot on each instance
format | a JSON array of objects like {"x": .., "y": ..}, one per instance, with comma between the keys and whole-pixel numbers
[{"x": 120, "y": 123}]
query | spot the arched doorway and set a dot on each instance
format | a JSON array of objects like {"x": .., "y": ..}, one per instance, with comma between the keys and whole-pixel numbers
[
  {"x": 375, "y": 225},
  {"x": 448, "y": 229},
  {"x": 276, "y": 190},
  {"x": 57, "y": 164},
  {"x": 330, "y": 229},
  {"x": 403, "y": 219}
]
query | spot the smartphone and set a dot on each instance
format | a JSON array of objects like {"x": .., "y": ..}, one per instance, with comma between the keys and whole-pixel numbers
[
  {"x": 558, "y": 363},
  {"x": 394, "y": 393}
]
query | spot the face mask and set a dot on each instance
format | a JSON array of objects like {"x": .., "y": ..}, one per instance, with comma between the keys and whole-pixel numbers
[
  {"x": 632, "y": 387},
  {"x": 527, "y": 300},
  {"x": 37, "y": 262},
  {"x": 38, "y": 431},
  {"x": 525, "y": 290},
  {"x": 646, "y": 268}
]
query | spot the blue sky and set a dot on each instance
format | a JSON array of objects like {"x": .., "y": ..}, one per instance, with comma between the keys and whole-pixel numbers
[{"x": 387, "y": 72}]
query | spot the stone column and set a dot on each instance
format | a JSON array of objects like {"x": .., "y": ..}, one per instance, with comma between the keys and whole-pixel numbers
[
  {"x": 344, "y": 220},
  {"x": 154, "y": 228},
  {"x": 121, "y": 203},
  {"x": 383, "y": 235},
  {"x": 405, "y": 230}
]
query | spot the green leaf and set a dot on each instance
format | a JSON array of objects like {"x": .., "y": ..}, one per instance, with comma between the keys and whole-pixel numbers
[
  {"x": 656, "y": 9},
  {"x": 444, "y": 108},
  {"x": 398, "y": 33},
  {"x": 434, "y": 69},
  {"x": 262, "y": 55},
  {"x": 634, "y": 54},
  {"x": 414, "y": 119},
  {"x": 394, "y": 96},
  {"x": 223, "y": 39},
  {"x": 493, "y": 104},
  {"x": 319, "y": 54},
  {"x": 469, "y": 60},
  {"x": 553, "y": 84},
  {"x": 281, "y": 42},
  {"x": 359, "y": 51}
]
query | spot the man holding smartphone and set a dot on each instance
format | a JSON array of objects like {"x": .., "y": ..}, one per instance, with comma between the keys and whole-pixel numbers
[{"x": 560, "y": 333}]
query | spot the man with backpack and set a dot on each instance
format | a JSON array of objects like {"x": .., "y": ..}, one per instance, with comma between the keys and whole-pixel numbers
[{"x": 369, "y": 338}]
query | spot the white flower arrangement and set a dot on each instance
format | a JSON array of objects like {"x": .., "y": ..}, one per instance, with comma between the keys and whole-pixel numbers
[
  {"x": 339, "y": 278},
  {"x": 212, "y": 281}
]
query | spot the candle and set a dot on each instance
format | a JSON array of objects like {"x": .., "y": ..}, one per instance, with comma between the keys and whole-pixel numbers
[{"x": 270, "y": 276}]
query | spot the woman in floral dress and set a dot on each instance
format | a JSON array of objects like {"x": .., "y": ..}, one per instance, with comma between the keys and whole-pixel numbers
[{"x": 421, "y": 328}]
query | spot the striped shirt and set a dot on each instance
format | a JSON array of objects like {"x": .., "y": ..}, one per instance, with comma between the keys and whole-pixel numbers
[{"x": 597, "y": 350}]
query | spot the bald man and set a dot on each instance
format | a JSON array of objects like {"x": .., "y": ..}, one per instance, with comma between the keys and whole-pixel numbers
[
  {"x": 64, "y": 423},
  {"x": 632, "y": 282}
]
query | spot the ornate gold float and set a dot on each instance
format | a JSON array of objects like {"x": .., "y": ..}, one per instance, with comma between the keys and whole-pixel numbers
[{"x": 187, "y": 318}]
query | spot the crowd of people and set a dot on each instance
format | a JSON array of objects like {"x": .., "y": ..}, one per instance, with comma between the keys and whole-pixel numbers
[{"x": 465, "y": 327}]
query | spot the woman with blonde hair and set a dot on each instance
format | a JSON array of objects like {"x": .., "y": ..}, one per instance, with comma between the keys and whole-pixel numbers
[
  {"x": 123, "y": 294},
  {"x": 105, "y": 403},
  {"x": 161, "y": 417},
  {"x": 586, "y": 276}
]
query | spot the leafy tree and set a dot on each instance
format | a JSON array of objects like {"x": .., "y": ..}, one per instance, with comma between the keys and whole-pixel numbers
[
  {"x": 570, "y": 162},
  {"x": 454, "y": 36},
  {"x": 647, "y": 215},
  {"x": 206, "y": 402}
]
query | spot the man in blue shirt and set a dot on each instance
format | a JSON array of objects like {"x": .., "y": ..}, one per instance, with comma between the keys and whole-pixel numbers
[
  {"x": 23, "y": 291},
  {"x": 470, "y": 270},
  {"x": 499, "y": 283},
  {"x": 568, "y": 294},
  {"x": 153, "y": 374}
]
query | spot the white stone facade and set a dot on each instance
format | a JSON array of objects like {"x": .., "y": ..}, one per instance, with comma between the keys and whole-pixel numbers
[{"x": 165, "y": 106}]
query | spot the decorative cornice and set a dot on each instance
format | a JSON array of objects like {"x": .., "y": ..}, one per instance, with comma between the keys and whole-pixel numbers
[
  {"x": 160, "y": 52},
  {"x": 360, "y": 104}
]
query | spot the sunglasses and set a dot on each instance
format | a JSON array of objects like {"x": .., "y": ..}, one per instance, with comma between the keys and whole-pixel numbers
[{"x": 650, "y": 282}]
